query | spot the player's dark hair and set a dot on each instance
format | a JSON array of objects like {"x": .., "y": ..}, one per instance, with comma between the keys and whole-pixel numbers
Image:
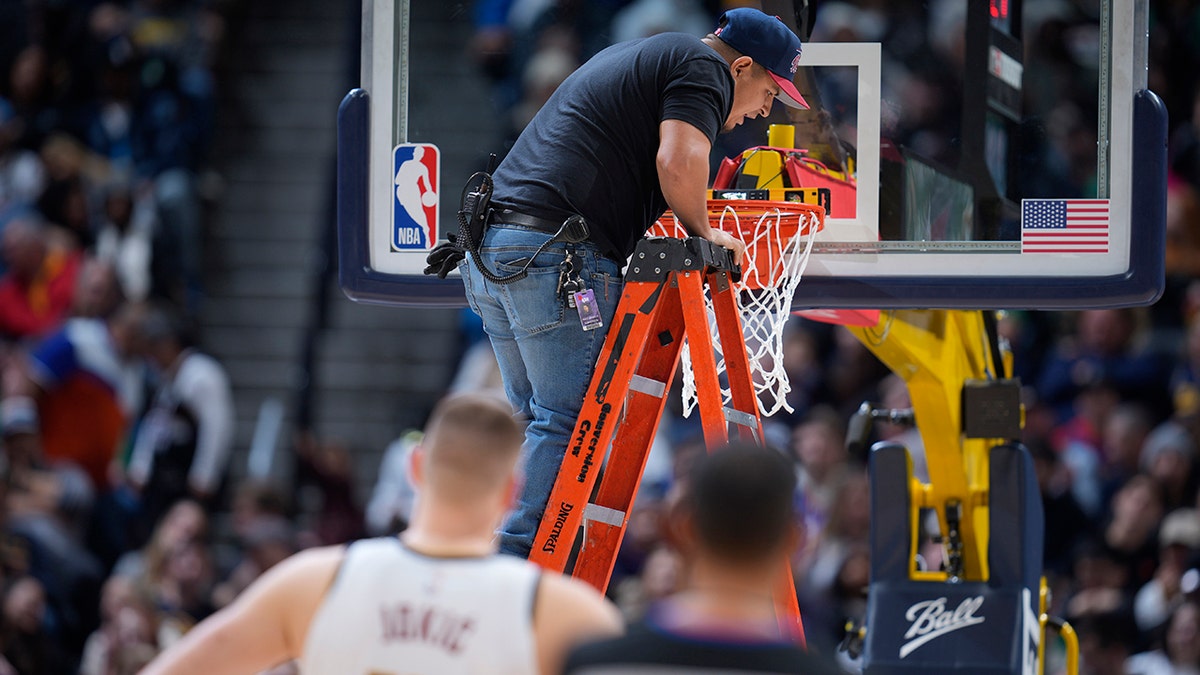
[{"x": 740, "y": 499}]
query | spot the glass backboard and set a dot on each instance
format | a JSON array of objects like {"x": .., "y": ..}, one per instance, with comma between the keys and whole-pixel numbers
[{"x": 980, "y": 155}]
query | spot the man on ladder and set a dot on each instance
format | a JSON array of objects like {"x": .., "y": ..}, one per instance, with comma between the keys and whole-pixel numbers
[{"x": 626, "y": 136}]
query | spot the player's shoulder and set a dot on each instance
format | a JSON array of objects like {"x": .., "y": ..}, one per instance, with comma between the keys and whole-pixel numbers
[
  {"x": 319, "y": 554},
  {"x": 568, "y": 596},
  {"x": 295, "y": 586},
  {"x": 312, "y": 563}
]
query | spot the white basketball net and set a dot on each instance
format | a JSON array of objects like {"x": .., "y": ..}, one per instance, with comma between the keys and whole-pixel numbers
[{"x": 764, "y": 303}]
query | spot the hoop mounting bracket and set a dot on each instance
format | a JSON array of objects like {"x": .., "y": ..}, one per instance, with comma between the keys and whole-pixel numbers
[{"x": 656, "y": 257}]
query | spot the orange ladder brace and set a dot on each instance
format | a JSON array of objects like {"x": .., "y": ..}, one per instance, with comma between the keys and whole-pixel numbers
[{"x": 661, "y": 304}]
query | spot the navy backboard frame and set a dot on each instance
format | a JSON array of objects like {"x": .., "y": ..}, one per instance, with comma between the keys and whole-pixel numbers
[{"x": 851, "y": 266}]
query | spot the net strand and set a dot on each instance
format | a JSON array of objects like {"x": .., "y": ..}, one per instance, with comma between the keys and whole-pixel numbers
[{"x": 764, "y": 305}]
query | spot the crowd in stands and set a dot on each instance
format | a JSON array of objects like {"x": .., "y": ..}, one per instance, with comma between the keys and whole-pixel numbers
[{"x": 117, "y": 431}]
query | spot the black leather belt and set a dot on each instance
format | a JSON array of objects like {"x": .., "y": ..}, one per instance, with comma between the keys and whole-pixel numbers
[{"x": 533, "y": 222}]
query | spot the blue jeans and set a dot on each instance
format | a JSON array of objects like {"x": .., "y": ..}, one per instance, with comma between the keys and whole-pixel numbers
[{"x": 546, "y": 358}]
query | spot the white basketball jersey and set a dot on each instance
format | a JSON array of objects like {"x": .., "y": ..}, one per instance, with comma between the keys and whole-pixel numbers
[{"x": 392, "y": 611}]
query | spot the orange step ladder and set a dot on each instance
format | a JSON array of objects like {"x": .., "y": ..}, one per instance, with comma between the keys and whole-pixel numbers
[{"x": 662, "y": 303}]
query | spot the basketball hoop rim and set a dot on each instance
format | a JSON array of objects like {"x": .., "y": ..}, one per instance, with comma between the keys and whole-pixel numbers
[
  {"x": 768, "y": 228},
  {"x": 743, "y": 217}
]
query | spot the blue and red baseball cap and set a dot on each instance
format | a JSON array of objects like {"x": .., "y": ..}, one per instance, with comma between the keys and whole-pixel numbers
[{"x": 768, "y": 41}]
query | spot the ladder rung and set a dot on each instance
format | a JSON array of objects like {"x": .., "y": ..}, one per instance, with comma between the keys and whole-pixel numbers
[
  {"x": 603, "y": 514},
  {"x": 742, "y": 418},
  {"x": 647, "y": 386}
]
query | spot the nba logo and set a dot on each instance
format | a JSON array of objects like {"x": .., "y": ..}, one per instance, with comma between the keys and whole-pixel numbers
[{"x": 415, "y": 184}]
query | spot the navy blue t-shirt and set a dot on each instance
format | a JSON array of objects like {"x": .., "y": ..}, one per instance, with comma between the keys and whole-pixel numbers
[
  {"x": 591, "y": 149},
  {"x": 648, "y": 649}
]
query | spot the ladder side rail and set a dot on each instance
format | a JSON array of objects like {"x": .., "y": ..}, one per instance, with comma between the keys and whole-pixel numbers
[
  {"x": 598, "y": 419},
  {"x": 704, "y": 363},
  {"x": 737, "y": 361},
  {"x": 622, "y": 474}
]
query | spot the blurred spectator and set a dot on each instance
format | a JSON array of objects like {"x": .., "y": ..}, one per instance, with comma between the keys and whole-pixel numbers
[
  {"x": 254, "y": 500},
  {"x": 64, "y": 204},
  {"x": 1169, "y": 457},
  {"x": 1078, "y": 440},
  {"x": 181, "y": 582},
  {"x": 177, "y": 570},
  {"x": 38, "y": 286},
  {"x": 1106, "y": 639},
  {"x": 848, "y": 529},
  {"x": 547, "y": 69},
  {"x": 1185, "y": 380},
  {"x": 185, "y": 521},
  {"x": 661, "y": 576},
  {"x": 893, "y": 395},
  {"x": 1185, "y": 141},
  {"x": 390, "y": 508},
  {"x": 46, "y": 514},
  {"x": 266, "y": 541},
  {"x": 644, "y": 533},
  {"x": 1180, "y": 650},
  {"x": 1028, "y": 335},
  {"x": 31, "y": 92},
  {"x": 833, "y": 585},
  {"x": 127, "y": 638},
  {"x": 1103, "y": 348},
  {"x": 1131, "y": 530},
  {"x": 1123, "y": 437},
  {"x": 819, "y": 449},
  {"x": 125, "y": 239},
  {"x": 1183, "y": 227},
  {"x": 185, "y": 438},
  {"x": 1101, "y": 580},
  {"x": 643, "y": 18},
  {"x": 491, "y": 43},
  {"x": 98, "y": 291},
  {"x": 22, "y": 176},
  {"x": 802, "y": 361},
  {"x": 1066, "y": 524},
  {"x": 1179, "y": 542},
  {"x": 851, "y": 373},
  {"x": 24, "y": 638},
  {"x": 72, "y": 398},
  {"x": 327, "y": 499}
]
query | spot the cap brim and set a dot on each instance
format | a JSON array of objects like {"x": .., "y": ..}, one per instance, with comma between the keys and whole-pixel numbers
[{"x": 788, "y": 92}]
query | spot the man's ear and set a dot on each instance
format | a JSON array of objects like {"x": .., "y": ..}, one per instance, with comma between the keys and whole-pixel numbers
[
  {"x": 741, "y": 65},
  {"x": 416, "y": 466},
  {"x": 512, "y": 491},
  {"x": 680, "y": 528}
]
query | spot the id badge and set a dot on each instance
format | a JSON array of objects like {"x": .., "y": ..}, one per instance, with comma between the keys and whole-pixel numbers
[{"x": 589, "y": 311}]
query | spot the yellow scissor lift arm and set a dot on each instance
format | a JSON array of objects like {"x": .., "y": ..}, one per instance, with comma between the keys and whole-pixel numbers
[{"x": 945, "y": 357}]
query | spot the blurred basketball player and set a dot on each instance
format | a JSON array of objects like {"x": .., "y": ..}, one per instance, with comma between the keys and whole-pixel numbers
[
  {"x": 438, "y": 599},
  {"x": 733, "y": 524}
]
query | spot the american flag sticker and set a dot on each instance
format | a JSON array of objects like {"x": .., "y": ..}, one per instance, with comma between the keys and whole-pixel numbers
[{"x": 1064, "y": 226}]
